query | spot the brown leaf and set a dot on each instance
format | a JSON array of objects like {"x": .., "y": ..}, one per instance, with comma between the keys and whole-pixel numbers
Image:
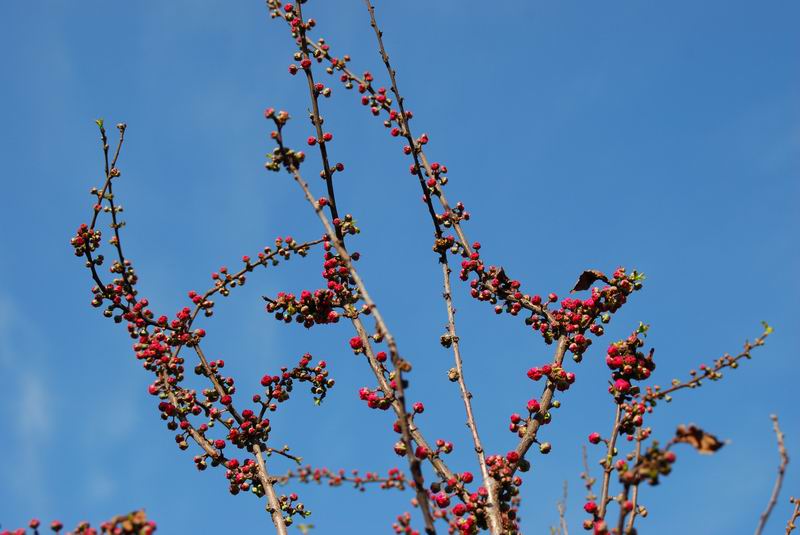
[
  {"x": 697, "y": 438},
  {"x": 588, "y": 278}
]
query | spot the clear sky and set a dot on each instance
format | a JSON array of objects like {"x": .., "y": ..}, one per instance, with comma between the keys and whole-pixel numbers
[{"x": 662, "y": 136}]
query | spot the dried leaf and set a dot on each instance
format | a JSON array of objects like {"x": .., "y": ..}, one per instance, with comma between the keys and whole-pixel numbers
[
  {"x": 697, "y": 438},
  {"x": 588, "y": 278},
  {"x": 501, "y": 276}
]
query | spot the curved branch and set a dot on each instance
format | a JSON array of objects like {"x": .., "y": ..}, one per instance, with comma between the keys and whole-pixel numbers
[{"x": 776, "y": 489}]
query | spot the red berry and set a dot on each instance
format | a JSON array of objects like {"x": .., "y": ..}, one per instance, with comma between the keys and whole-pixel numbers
[{"x": 622, "y": 385}]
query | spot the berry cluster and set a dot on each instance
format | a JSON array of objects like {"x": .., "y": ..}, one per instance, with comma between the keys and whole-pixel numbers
[
  {"x": 395, "y": 479},
  {"x": 628, "y": 363},
  {"x": 319, "y": 306},
  {"x": 135, "y": 523}
]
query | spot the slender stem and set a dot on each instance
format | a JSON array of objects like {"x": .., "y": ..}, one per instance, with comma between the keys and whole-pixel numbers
[
  {"x": 608, "y": 465},
  {"x": 622, "y": 512},
  {"x": 790, "y": 525},
  {"x": 493, "y": 512},
  {"x": 201, "y": 441},
  {"x": 408, "y": 430},
  {"x": 405, "y": 430},
  {"x": 420, "y": 159},
  {"x": 218, "y": 387},
  {"x": 337, "y": 236},
  {"x": 403, "y": 121},
  {"x": 776, "y": 489},
  {"x": 588, "y": 480},
  {"x": 726, "y": 361},
  {"x": 529, "y": 438},
  {"x": 107, "y": 193},
  {"x": 635, "y": 486},
  {"x": 317, "y": 120},
  {"x": 562, "y": 511},
  {"x": 273, "y": 505},
  {"x": 309, "y": 475}
]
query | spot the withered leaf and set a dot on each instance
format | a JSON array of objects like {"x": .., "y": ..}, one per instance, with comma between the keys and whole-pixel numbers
[
  {"x": 588, "y": 278},
  {"x": 501, "y": 276},
  {"x": 697, "y": 438}
]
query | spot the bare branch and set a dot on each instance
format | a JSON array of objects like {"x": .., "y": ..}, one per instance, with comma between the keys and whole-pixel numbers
[
  {"x": 790, "y": 525},
  {"x": 776, "y": 489}
]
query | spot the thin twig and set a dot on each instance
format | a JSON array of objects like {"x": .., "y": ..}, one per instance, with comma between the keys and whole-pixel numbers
[
  {"x": 466, "y": 395},
  {"x": 106, "y": 193},
  {"x": 726, "y": 361},
  {"x": 307, "y": 474},
  {"x": 562, "y": 511},
  {"x": 545, "y": 402},
  {"x": 408, "y": 430},
  {"x": 635, "y": 486},
  {"x": 493, "y": 512},
  {"x": 273, "y": 505},
  {"x": 776, "y": 489},
  {"x": 608, "y": 464},
  {"x": 317, "y": 120},
  {"x": 588, "y": 480},
  {"x": 622, "y": 512},
  {"x": 790, "y": 525},
  {"x": 338, "y": 237}
]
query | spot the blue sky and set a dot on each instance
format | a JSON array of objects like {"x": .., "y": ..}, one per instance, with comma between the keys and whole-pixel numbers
[{"x": 659, "y": 136}]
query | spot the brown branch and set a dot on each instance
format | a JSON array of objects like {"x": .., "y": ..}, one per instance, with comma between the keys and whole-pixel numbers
[
  {"x": 635, "y": 486},
  {"x": 790, "y": 525},
  {"x": 307, "y": 474},
  {"x": 335, "y": 232},
  {"x": 562, "y": 511},
  {"x": 712, "y": 373},
  {"x": 608, "y": 464},
  {"x": 545, "y": 402},
  {"x": 397, "y": 394},
  {"x": 338, "y": 238},
  {"x": 622, "y": 512},
  {"x": 106, "y": 193},
  {"x": 493, "y": 511},
  {"x": 273, "y": 505},
  {"x": 588, "y": 480},
  {"x": 466, "y": 396},
  {"x": 776, "y": 489},
  {"x": 317, "y": 120},
  {"x": 420, "y": 159}
]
